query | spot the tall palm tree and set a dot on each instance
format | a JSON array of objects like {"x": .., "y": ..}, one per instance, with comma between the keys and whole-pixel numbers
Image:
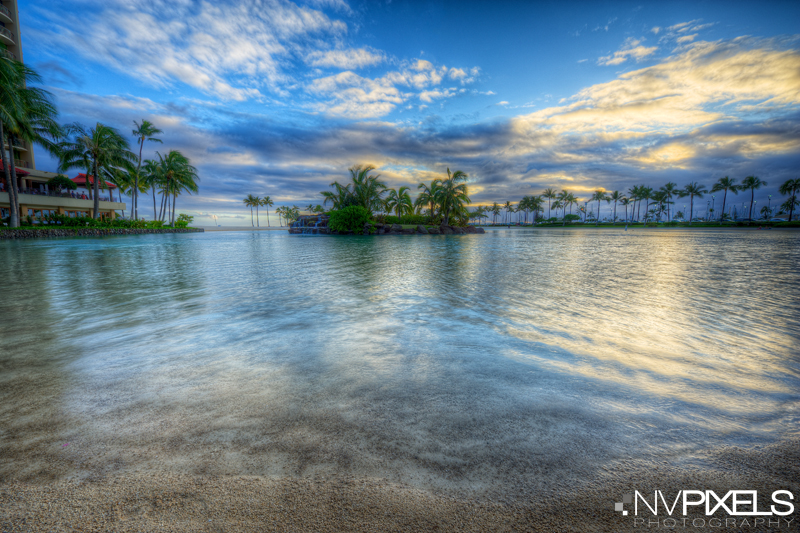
[
  {"x": 633, "y": 196},
  {"x": 453, "y": 194},
  {"x": 535, "y": 205},
  {"x": 616, "y": 196},
  {"x": 790, "y": 204},
  {"x": 124, "y": 178},
  {"x": 143, "y": 132},
  {"x": 26, "y": 113},
  {"x": 102, "y": 145},
  {"x": 725, "y": 184},
  {"x": 428, "y": 196},
  {"x": 368, "y": 190},
  {"x": 599, "y": 196},
  {"x": 550, "y": 194},
  {"x": 508, "y": 207},
  {"x": 669, "y": 190},
  {"x": 496, "y": 212},
  {"x": 752, "y": 183},
  {"x": 400, "y": 201},
  {"x": 691, "y": 190},
  {"x": 646, "y": 194},
  {"x": 179, "y": 176},
  {"x": 790, "y": 188},
  {"x": 625, "y": 202},
  {"x": 267, "y": 202},
  {"x": 250, "y": 201}
]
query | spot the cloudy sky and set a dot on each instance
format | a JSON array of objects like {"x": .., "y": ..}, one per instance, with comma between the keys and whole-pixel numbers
[{"x": 277, "y": 98}]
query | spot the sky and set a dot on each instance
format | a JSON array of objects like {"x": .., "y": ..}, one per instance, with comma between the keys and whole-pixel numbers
[{"x": 280, "y": 98}]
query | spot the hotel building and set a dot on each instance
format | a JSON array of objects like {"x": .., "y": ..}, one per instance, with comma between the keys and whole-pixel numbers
[{"x": 35, "y": 198}]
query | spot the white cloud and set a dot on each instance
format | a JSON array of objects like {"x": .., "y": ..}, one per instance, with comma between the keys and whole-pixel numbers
[
  {"x": 353, "y": 58},
  {"x": 631, "y": 49},
  {"x": 686, "y": 38},
  {"x": 230, "y": 50}
]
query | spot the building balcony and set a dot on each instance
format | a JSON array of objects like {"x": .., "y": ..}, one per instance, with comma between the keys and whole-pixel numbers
[
  {"x": 5, "y": 14},
  {"x": 6, "y": 36},
  {"x": 22, "y": 163},
  {"x": 64, "y": 200},
  {"x": 17, "y": 147},
  {"x": 9, "y": 54}
]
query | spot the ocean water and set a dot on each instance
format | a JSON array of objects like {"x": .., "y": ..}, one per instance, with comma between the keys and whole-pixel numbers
[{"x": 516, "y": 361}]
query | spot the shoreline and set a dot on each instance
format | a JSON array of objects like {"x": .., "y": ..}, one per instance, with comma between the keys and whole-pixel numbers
[
  {"x": 41, "y": 233},
  {"x": 181, "y": 502}
]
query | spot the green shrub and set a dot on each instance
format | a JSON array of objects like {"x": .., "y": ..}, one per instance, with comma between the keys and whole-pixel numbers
[
  {"x": 351, "y": 218},
  {"x": 183, "y": 220}
]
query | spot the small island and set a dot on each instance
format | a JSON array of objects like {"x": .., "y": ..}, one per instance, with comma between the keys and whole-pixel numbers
[{"x": 355, "y": 205}]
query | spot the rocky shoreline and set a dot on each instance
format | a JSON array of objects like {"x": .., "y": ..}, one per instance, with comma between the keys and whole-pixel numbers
[{"x": 88, "y": 232}]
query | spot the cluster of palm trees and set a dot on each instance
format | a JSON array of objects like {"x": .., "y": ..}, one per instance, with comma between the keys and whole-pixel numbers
[
  {"x": 645, "y": 203},
  {"x": 255, "y": 201},
  {"x": 28, "y": 113},
  {"x": 440, "y": 200}
]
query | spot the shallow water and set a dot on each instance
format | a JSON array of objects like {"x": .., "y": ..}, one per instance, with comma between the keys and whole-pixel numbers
[{"x": 515, "y": 361}]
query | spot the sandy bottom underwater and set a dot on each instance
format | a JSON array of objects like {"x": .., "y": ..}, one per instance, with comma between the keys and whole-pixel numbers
[{"x": 165, "y": 501}]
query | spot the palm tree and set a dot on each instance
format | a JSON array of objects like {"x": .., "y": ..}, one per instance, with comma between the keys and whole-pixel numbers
[
  {"x": 452, "y": 194},
  {"x": 669, "y": 190},
  {"x": 179, "y": 176},
  {"x": 645, "y": 193},
  {"x": 496, "y": 212},
  {"x": 26, "y": 113},
  {"x": 633, "y": 196},
  {"x": 508, "y": 209},
  {"x": 400, "y": 201},
  {"x": 143, "y": 132},
  {"x": 102, "y": 145},
  {"x": 691, "y": 190},
  {"x": 267, "y": 202},
  {"x": 124, "y": 178},
  {"x": 616, "y": 196},
  {"x": 368, "y": 190},
  {"x": 339, "y": 199},
  {"x": 790, "y": 188},
  {"x": 599, "y": 196},
  {"x": 428, "y": 196},
  {"x": 625, "y": 201},
  {"x": 535, "y": 205},
  {"x": 790, "y": 204},
  {"x": 752, "y": 183},
  {"x": 725, "y": 184},
  {"x": 550, "y": 194}
]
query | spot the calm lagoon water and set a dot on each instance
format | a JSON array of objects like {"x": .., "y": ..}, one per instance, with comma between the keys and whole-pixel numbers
[{"x": 512, "y": 361}]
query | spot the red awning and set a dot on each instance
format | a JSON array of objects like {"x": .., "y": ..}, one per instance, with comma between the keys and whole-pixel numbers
[
  {"x": 20, "y": 172},
  {"x": 80, "y": 181}
]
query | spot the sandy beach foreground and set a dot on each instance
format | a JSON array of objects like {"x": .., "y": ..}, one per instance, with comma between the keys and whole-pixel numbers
[{"x": 164, "y": 501}]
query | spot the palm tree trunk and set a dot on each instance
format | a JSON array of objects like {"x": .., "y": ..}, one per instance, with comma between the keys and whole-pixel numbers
[
  {"x": 155, "y": 211},
  {"x": 174, "y": 200},
  {"x": 14, "y": 179},
  {"x": 752, "y": 194},
  {"x": 722, "y": 214},
  {"x": 96, "y": 188},
  {"x": 267, "y": 216},
  {"x": 135, "y": 196},
  {"x": 251, "y": 217},
  {"x": 597, "y": 222},
  {"x": 13, "y": 201},
  {"x": 691, "y": 207},
  {"x": 258, "y": 224}
]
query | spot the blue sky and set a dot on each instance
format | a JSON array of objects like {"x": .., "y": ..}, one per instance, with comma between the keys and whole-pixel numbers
[{"x": 280, "y": 98}]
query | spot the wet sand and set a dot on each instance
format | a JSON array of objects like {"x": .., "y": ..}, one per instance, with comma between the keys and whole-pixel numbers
[{"x": 165, "y": 501}]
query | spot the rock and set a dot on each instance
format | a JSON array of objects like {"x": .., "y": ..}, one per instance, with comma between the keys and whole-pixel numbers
[
  {"x": 470, "y": 229},
  {"x": 397, "y": 227},
  {"x": 446, "y": 230},
  {"x": 480, "y": 230},
  {"x": 421, "y": 230},
  {"x": 459, "y": 231},
  {"x": 408, "y": 231},
  {"x": 435, "y": 231}
]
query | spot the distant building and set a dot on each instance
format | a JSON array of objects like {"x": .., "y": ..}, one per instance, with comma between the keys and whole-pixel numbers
[{"x": 35, "y": 198}]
